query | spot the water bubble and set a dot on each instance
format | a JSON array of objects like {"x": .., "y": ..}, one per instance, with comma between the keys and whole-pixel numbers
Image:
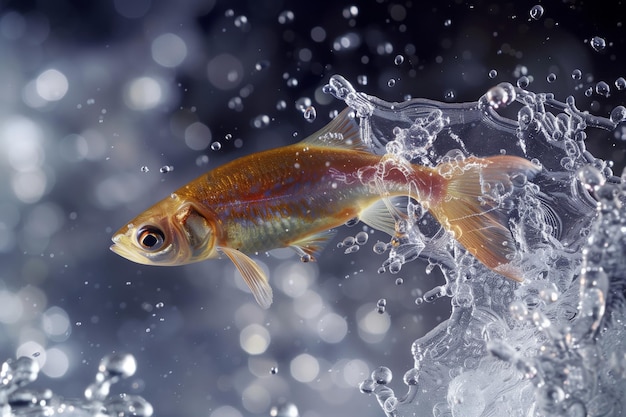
[
  {"x": 620, "y": 83},
  {"x": 310, "y": 114},
  {"x": 216, "y": 146},
  {"x": 618, "y": 114},
  {"x": 523, "y": 82},
  {"x": 536, "y": 12},
  {"x": 351, "y": 249},
  {"x": 398, "y": 60},
  {"x": 285, "y": 17},
  {"x": 597, "y": 43},
  {"x": 390, "y": 404},
  {"x": 399, "y": 281},
  {"x": 144, "y": 168},
  {"x": 380, "y": 247},
  {"x": 367, "y": 386},
  {"x": 589, "y": 92},
  {"x": 551, "y": 77},
  {"x": 603, "y": 89},
  {"x": 166, "y": 168},
  {"x": 381, "y": 305},
  {"x": 361, "y": 238},
  {"x": 493, "y": 73},
  {"x": 391, "y": 82},
  {"x": 382, "y": 375},
  {"x": 273, "y": 370},
  {"x": 500, "y": 96},
  {"x": 577, "y": 74}
]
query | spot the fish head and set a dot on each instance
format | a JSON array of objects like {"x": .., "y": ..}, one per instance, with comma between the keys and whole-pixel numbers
[{"x": 172, "y": 232}]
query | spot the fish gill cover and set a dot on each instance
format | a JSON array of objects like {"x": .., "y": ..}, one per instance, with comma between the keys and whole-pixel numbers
[{"x": 107, "y": 104}]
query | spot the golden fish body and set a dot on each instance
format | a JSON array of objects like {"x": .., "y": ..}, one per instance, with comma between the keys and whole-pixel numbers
[{"x": 292, "y": 196}]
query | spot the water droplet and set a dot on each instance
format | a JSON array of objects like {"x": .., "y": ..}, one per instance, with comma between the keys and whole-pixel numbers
[
  {"x": 285, "y": 17},
  {"x": 380, "y": 247},
  {"x": 310, "y": 114},
  {"x": 523, "y": 82},
  {"x": 618, "y": 114},
  {"x": 166, "y": 168},
  {"x": 382, "y": 375},
  {"x": 361, "y": 238},
  {"x": 493, "y": 73},
  {"x": 536, "y": 12},
  {"x": 577, "y": 74},
  {"x": 597, "y": 43},
  {"x": 551, "y": 77},
  {"x": 391, "y": 82},
  {"x": 398, "y": 60},
  {"x": 351, "y": 249},
  {"x": 603, "y": 89},
  {"x": 216, "y": 146},
  {"x": 306, "y": 258},
  {"x": 500, "y": 96},
  {"x": 144, "y": 168},
  {"x": 367, "y": 386},
  {"x": 411, "y": 376},
  {"x": 118, "y": 365},
  {"x": 399, "y": 281}
]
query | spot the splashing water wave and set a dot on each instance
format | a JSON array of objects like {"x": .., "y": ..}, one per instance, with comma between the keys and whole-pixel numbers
[
  {"x": 550, "y": 346},
  {"x": 554, "y": 344}
]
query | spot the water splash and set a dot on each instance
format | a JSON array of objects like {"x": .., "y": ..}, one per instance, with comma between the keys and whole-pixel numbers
[
  {"x": 17, "y": 400},
  {"x": 553, "y": 345}
]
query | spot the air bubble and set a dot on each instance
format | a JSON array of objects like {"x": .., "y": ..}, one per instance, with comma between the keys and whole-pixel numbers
[
  {"x": 351, "y": 249},
  {"x": 166, "y": 168},
  {"x": 399, "y": 281},
  {"x": 577, "y": 74},
  {"x": 597, "y": 43},
  {"x": 273, "y": 370},
  {"x": 367, "y": 386},
  {"x": 281, "y": 105},
  {"x": 551, "y": 77},
  {"x": 391, "y": 82},
  {"x": 398, "y": 60},
  {"x": 493, "y": 73},
  {"x": 381, "y": 306},
  {"x": 216, "y": 146},
  {"x": 500, "y": 96},
  {"x": 447, "y": 22},
  {"x": 380, "y": 247},
  {"x": 536, "y": 12},
  {"x": 284, "y": 410},
  {"x": 144, "y": 168},
  {"x": 620, "y": 83}
]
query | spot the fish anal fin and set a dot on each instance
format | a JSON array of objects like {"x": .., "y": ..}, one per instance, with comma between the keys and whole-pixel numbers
[
  {"x": 252, "y": 274},
  {"x": 309, "y": 247},
  {"x": 341, "y": 132},
  {"x": 380, "y": 216},
  {"x": 480, "y": 226}
]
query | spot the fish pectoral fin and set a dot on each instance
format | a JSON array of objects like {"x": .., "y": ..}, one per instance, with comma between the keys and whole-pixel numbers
[
  {"x": 309, "y": 247},
  {"x": 382, "y": 216},
  {"x": 342, "y": 132},
  {"x": 252, "y": 274}
]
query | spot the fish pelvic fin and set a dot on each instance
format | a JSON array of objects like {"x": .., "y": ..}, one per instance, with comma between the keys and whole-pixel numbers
[
  {"x": 309, "y": 247},
  {"x": 252, "y": 274},
  {"x": 467, "y": 210},
  {"x": 342, "y": 132}
]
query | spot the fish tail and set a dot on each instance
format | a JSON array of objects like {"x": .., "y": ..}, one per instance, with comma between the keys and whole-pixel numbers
[{"x": 468, "y": 207}]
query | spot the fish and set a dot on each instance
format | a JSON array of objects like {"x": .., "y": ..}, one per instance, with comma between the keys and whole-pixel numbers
[{"x": 297, "y": 195}]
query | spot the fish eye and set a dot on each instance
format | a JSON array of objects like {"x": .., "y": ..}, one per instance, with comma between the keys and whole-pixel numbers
[{"x": 150, "y": 238}]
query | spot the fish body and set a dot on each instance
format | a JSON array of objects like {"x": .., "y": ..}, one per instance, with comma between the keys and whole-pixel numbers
[{"x": 294, "y": 195}]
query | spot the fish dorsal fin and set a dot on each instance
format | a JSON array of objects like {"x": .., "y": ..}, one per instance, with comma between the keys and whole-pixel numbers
[
  {"x": 309, "y": 247},
  {"x": 341, "y": 132},
  {"x": 252, "y": 274}
]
